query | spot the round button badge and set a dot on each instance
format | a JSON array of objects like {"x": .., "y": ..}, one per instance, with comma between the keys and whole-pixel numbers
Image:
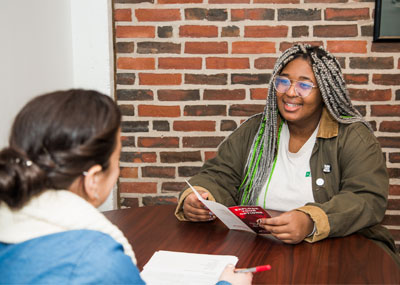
[{"x": 320, "y": 182}]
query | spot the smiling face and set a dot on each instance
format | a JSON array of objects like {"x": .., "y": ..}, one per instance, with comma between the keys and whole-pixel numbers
[{"x": 300, "y": 111}]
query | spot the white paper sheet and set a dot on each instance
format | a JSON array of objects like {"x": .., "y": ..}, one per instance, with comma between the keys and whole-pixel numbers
[
  {"x": 175, "y": 268},
  {"x": 223, "y": 213}
]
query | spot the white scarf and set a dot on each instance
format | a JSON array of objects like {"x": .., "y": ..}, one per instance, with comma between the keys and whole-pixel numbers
[{"x": 55, "y": 211}]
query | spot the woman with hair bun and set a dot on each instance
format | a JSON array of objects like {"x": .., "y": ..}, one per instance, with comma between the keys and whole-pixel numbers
[{"x": 61, "y": 163}]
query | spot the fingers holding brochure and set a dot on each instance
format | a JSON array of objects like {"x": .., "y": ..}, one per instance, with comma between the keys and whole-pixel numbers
[{"x": 194, "y": 210}]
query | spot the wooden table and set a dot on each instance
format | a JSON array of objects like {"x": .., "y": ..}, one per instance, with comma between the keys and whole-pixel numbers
[{"x": 353, "y": 259}]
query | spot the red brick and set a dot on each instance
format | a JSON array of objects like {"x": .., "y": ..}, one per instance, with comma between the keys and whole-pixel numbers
[
  {"x": 347, "y": 46},
  {"x": 122, "y": 15},
  {"x": 157, "y": 15},
  {"x": 228, "y": 1},
  {"x": 385, "y": 47},
  {"x": 285, "y": 45},
  {"x": 158, "y": 47},
  {"x": 196, "y": 31},
  {"x": 228, "y": 125},
  {"x": 188, "y": 171},
  {"x": 208, "y": 110},
  {"x": 370, "y": 95},
  {"x": 266, "y": 31},
  {"x": 179, "y": 1},
  {"x": 300, "y": 31},
  {"x": 210, "y": 15},
  {"x": 125, "y": 47},
  {"x": 159, "y": 79},
  {"x": 335, "y": 31},
  {"x": 253, "y": 47},
  {"x": 227, "y": 63},
  {"x": 350, "y": 14},
  {"x": 159, "y": 200},
  {"x": 158, "y": 172},
  {"x": 356, "y": 78},
  {"x": 371, "y": 63},
  {"x": 202, "y": 142},
  {"x": 394, "y": 172},
  {"x": 158, "y": 111},
  {"x": 207, "y": 79},
  {"x": 224, "y": 94},
  {"x": 325, "y": 1},
  {"x": 390, "y": 126},
  {"x": 158, "y": 142},
  {"x": 393, "y": 204},
  {"x": 389, "y": 142},
  {"x": 128, "y": 141},
  {"x": 245, "y": 109},
  {"x": 230, "y": 31},
  {"x": 139, "y": 157},
  {"x": 394, "y": 157},
  {"x": 385, "y": 110},
  {"x": 300, "y": 15},
  {"x": 259, "y": 93},
  {"x": 182, "y": 156},
  {"x": 129, "y": 172},
  {"x": 277, "y": 1},
  {"x": 178, "y": 95},
  {"x": 394, "y": 189},
  {"x": 396, "y": 235},
  {"x": 173, "y": 186},
  {"x": 265, "y": 62},
  {"x": 137, "y": 63},
  {"x": 127, "y": 110},
  {"x": 179, "y": 63},
  {"x": 206, "y": 47},
  {"x": 135, "y": 32},
  {"x": 391, "y": 220},
  {"x": 138, "y": 187},
  {"x": 194, "y": 126},
  {"x": 386, "y": 79},
  {"x": 252, "y": 14},
  {"x": 248, "y": 79},
  {"x": 209, "y": 154}
]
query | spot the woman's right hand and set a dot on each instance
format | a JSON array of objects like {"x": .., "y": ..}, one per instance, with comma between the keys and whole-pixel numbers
[
  {"x": 234, "y": 278},
  {"x": 194, "y": 210}
]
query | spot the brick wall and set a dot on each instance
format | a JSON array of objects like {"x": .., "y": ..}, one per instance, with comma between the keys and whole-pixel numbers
[{"x": 188, "y": 72}]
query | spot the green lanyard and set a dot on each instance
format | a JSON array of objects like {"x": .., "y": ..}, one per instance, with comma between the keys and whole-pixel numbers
[{"x": 273, "y": 165}]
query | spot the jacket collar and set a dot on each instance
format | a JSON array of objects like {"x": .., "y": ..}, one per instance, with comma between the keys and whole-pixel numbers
[{"x": 328, "y": 126}]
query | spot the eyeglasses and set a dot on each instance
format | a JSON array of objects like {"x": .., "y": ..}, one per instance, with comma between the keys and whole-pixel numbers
[{"x": 301, "y": 88}]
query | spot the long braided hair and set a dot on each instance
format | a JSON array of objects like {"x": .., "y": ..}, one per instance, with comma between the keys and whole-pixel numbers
[{"x": 335, "y": 96}]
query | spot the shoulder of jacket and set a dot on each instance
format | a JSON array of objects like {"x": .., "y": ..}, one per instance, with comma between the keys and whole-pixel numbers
[{"x": 357, "y": 130}]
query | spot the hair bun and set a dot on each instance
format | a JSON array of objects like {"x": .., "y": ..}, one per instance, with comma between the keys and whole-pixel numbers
[{"x": 18, "y": 177}]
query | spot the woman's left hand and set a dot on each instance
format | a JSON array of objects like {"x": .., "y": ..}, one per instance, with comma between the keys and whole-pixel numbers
[{"x": 289, "y": 227}]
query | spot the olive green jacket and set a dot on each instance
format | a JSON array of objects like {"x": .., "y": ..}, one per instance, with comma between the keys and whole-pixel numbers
[{"x": 347, "y": 158}]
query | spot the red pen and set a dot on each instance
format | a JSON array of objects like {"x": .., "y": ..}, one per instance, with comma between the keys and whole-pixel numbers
[{"x": 254, "y": 269}]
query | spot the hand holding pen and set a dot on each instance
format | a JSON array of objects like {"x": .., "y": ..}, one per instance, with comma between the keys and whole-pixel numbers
[{"x": 254, "y": 269}]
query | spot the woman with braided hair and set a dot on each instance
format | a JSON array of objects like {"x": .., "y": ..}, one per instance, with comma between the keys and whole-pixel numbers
[{"x": 310, "y": 154}]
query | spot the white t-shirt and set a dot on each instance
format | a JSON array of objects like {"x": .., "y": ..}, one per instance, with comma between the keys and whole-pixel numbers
[{"x": 291, "y": 185}]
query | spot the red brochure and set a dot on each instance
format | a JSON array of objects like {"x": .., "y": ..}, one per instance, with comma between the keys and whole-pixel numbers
[{"x": 249, "y": 215}]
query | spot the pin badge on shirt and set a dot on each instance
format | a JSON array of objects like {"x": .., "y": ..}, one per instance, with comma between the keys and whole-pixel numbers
[
  {"x": 327, "y": 168},
  {"x": 320, "y": 181}
]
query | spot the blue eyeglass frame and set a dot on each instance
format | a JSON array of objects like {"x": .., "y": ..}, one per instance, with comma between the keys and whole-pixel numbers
[{"x": 311, "y": 84}]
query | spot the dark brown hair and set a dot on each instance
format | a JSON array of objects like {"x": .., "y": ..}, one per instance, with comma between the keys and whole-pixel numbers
[{"x": 54, "y": 139}]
